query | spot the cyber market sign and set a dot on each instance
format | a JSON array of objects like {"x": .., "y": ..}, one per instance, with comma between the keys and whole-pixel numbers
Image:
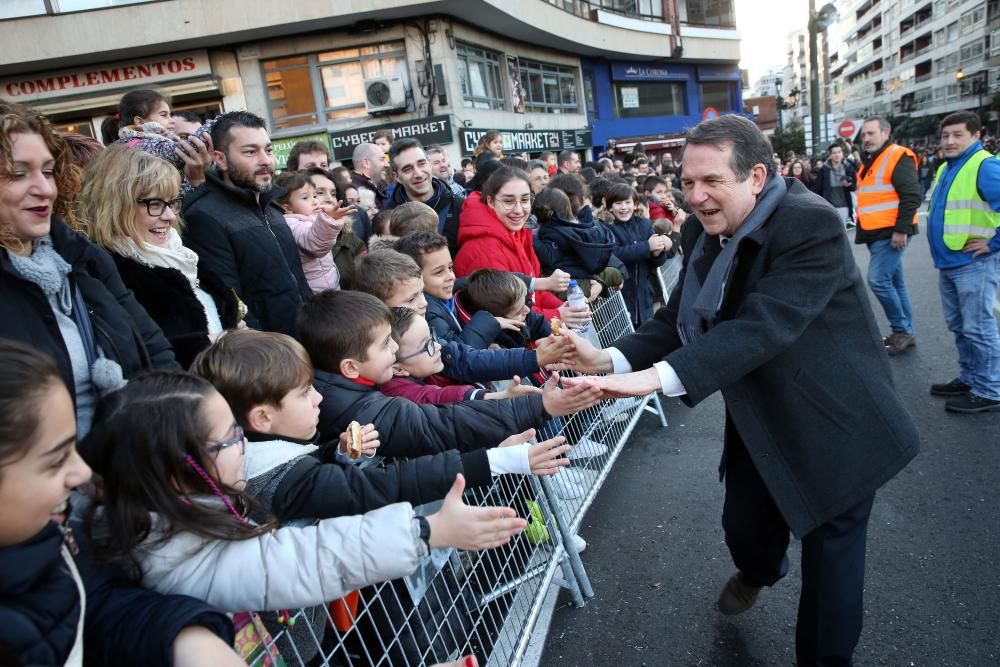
[
  {"x": 529, "y": 141},
  {"x": 433, "y": 130}
]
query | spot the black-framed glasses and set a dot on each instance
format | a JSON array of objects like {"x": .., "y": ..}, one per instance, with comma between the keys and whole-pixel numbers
[
  {"x": 430, "y": 348},
  {"x": 155, "y": 207},
  {"x": 239, "y": 438}
]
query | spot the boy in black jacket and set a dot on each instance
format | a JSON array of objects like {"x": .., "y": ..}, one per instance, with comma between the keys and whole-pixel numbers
[
  {"x": 348, "y": 336},
  {"x": 267, "y": 380}
]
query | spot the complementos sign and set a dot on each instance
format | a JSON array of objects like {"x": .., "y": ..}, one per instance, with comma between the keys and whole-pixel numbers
[
  {"x": 101, "y": 78},
  {"x": 532, "y": 141}
]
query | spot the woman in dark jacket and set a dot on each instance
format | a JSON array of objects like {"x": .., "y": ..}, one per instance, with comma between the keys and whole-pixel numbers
[
  {"x": 60, "y": 293},
  {"x": 641, "y": 249},
  {"x": 130, "y": 200},
  {"x": 58, "y": 604}
]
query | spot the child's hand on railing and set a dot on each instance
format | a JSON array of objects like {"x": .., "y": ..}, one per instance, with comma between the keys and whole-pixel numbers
[{"x": 471, "y": 528}]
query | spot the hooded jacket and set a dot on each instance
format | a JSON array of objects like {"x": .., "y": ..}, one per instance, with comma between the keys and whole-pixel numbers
[
  {"x": 408, "y": 429},
  {"x": 248, "y": 245},
  {"x": 484, "y": 243},
  {"x": 297, "y": 480},
  {"x": 122, "y": 625},
  {"x": 478, "y": 331},
  {"x": 632, "y": 247},
  {"x": 445, "y": 203},
  {"x": 581, "y": 249},
  {"x": 122, "y": 329}
]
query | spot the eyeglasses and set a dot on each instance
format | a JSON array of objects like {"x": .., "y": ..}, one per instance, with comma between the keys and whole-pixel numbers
[
  {"x": 156, "y": 207},
  {"x": 510, "y": 203},
  {"x": 429, "y": 348},
  {"x": 239, "y": 438}
]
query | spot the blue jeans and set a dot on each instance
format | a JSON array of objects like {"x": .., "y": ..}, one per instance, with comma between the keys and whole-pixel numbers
[
  {"x": 885, "y": 277},
  {"x": 968, "y": 294}
]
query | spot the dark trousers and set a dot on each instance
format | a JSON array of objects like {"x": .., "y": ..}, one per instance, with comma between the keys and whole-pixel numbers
[{"x": 833, "y": 562}]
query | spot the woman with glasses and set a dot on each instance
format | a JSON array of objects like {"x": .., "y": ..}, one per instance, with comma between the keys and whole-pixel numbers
[
  {"x": 59, "y": 293},
  {"x": 130, "y": 200},
  {"x": 492, "y": 234}
]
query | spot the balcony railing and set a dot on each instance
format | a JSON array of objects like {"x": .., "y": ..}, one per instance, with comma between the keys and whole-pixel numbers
[
  {"x": 26, "y": 8},
  {"x": 646, "y": 10}
]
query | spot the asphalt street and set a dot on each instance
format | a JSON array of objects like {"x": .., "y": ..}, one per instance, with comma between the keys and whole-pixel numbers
[{"x": 657, "y": 558}]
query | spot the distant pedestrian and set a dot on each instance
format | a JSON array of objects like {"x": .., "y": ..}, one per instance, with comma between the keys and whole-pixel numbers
[{"x": 837, "y": 179}]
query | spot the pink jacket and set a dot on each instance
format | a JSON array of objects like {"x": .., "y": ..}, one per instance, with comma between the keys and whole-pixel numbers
[{"x": 315, "y": 237}]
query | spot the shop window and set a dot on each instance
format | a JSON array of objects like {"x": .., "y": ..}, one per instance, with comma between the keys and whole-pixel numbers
[
  {"x": 721, "y": 13},
  {"x": 480, "y": 73},
  {"x": 589, "y": 95},
  {"x": 548, "y": 88},
  {"x": 84, "y": 127},
  {"x": 718, "y": 95},
  {"x": 313, "y": 89},
  {"x": 649, "y": 98}
]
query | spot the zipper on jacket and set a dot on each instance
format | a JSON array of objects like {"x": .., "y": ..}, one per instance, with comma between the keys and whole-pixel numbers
[{"x": 281, "y": 252}]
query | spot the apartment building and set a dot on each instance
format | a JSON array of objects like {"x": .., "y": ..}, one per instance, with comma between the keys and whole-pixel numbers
[
  {"x": 917, "y": 57},
  {"x": 552, "y": 74}
]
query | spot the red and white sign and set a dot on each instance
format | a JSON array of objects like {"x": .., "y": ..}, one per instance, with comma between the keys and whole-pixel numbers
[
  {"x": 847, "y": 129},
  {"x": 102, "y": 78},
  {"x": 709, "y": 113}
]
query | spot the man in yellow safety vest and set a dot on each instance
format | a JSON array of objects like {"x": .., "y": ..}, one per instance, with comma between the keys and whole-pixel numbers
[
  {"x": 963, "y": 223},
  {"x": 888, "y": 198}
]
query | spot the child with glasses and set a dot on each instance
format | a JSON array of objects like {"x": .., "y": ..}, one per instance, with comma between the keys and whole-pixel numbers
[{"x": 418, "y": 361}]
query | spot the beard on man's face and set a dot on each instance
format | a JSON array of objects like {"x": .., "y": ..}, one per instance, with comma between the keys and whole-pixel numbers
[{"x": 248, "y": 178}]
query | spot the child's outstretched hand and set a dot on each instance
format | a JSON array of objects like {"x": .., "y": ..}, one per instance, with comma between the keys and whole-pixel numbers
[
  {"x": 508, "y": 324},
  {"x": 561, "y": 402},
  {"x": 471, "y": 528},
  {"x": 340, "y": 210},
  {"x": 515, "y": 389},
  {"x": 546, "y": 457},
  {"x": 554, "y": 350},
  {"x": 369, "y": 440}
]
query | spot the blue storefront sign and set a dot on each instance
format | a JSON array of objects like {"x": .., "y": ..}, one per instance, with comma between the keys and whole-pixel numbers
[{"x": 649, "y": 72}]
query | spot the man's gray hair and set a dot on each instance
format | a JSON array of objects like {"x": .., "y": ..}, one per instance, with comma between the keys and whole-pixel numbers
[
  {"x": 367, "y": 152},
  {"x": 433, "y": 150},
  {"x": 749, "y": 145},
  {"x": 883, "y": 124},
  {"x": 537, "y": 164}
]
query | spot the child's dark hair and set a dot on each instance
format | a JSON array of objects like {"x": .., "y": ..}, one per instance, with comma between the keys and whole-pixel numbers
[
  {"x": 551, "y": 203},
  {"x": 339, "y": 324},
  {"x": 149, "y": 445},
  {"x": 497, "y": 292},
  {"x": 27, "y": 375},
  {"x": 412, "y": 216},
  {"x": 251, "y": 368},
  {"x": 418, "y": 244},
  {"x": 402, "y": 320},
  {"x": 573, "y": 186},
  {"x": 620, "y": 192},
  {"x": 380, "y": 222},
  {"x": 598, "y": 188},
  {"x": 133, "y": 103},
  {"x": 290, "y": 181},
  {"x": 308, "y": 146},
  {"x": 380, "y": 272},
  {"x": 650, "y": 182}
]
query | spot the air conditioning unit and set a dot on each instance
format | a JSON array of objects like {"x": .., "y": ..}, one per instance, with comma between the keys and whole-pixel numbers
[{"x": 384, "y": 93}]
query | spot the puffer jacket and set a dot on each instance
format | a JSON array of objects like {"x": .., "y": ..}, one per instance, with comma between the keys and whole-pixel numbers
[
  {"x": 632, "y": 247},
  {"x": 295, "y": 480},
  {"x": 408, "y": 429},
  {"x": 249, "y": 246},
  {"x": 445, "y": 203},
  {"x": 478, "y": 331},
  {"x": 122, "y": 329},
  {"x": 316, "y": 236},
  {"x": 581, "y": 249},
  {"x": 484, "y": 243},
  {"x": 468, "y": 365},
  {"x": 123, "y": 624},
  {"x": 329, "y": 560}
]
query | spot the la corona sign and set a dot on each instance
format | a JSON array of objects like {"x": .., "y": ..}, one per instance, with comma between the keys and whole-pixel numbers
[{"x": 101, "y": 78}]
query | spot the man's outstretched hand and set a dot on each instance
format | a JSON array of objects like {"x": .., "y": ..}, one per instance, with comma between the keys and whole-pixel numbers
[
  {"x": 641, "y": 383},
  {"x": 585, "y": 359}
]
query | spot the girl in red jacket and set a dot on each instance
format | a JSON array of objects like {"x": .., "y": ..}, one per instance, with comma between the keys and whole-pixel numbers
[{"x": 492, "y": 235}]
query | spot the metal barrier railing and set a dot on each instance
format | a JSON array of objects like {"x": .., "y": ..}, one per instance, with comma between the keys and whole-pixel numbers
[
  {"x": 485, "y": 602},
  {"x": 668, "y": 274}
]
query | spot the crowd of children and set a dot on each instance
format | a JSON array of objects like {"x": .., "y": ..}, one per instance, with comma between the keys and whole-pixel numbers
[{"x": 210, "y": 376}]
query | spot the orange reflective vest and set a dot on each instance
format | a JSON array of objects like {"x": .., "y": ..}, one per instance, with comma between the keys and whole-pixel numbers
[{"x": 878, "y": 203}]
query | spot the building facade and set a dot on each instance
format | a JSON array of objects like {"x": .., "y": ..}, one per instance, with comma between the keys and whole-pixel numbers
[{"x": 552, "y": 74}]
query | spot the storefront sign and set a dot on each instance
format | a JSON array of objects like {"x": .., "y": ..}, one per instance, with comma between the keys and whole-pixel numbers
[
  {"x": 282, "y": 147},
  {"x": 532, "y": 141},
  {"x": 434, "y": 130},
  {"x": 102, "y": 78},
  {"x": 718, "y": 73},
  {"x": 648, "y": 72}
]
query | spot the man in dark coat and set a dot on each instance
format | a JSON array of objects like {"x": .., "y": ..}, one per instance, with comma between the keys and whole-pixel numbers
[
  {"x": 239, "y": 231},
  {"x": 771, "y": 311},
  {"x": 836, "y": 181},
  {"x": 415, "y": 182}
]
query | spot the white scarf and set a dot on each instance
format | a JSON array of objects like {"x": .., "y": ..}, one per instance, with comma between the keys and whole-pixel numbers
[{"x": 174, "y": 256}]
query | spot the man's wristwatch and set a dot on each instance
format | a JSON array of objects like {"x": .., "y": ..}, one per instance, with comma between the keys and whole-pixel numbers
[{"x": 425, "y": 531}]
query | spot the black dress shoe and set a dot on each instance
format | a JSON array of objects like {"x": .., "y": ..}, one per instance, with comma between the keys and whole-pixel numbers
[
  {"x": 737, "y": 596},
  {"x": 971, "y": 404},
  {"x": 954, "y": 388}
]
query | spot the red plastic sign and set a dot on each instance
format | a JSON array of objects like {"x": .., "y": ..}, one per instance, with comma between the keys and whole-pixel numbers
[{"x": 847, "y": 129}]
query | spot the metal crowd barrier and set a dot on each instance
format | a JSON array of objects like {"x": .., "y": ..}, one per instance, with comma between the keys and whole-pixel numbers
[
  {"x": 668, "y": 274},
  {"x": 485, "y": 602}
]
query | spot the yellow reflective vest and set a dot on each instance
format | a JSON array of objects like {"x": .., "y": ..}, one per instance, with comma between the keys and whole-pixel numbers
[{"x": 966, "y": 214}]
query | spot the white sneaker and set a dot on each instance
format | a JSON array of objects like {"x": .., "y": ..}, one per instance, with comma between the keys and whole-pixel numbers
[
  {"x": 586, "y": 448},
  {"x": 616, "y": 410},
  {"x": 567, "y": 488},
  {"x": 579, "y": 544}
]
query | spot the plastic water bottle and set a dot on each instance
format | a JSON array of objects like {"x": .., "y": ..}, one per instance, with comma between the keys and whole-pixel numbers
[{"x": 576, "y": 299}]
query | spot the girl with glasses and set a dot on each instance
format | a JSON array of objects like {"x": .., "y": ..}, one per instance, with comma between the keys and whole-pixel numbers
[{"x": 132, "y": 202}]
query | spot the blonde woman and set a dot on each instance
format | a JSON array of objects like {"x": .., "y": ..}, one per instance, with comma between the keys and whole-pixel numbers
[{"x": 130, "y": 201}]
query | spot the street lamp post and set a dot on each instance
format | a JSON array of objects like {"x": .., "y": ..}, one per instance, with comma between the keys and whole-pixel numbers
[
  {"x": 818, "y": 22},
  {"x": 779, "y": 102}
]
